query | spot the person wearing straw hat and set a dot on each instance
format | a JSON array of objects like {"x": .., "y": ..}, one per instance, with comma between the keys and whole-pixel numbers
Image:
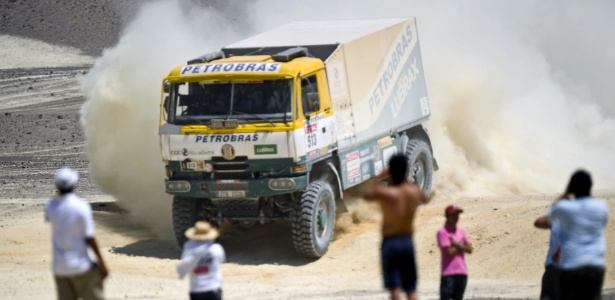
[
  {"x": 454, "y": 243},
  {"x": 202, "y": 257},
  {"x": 72, "y": 233}
]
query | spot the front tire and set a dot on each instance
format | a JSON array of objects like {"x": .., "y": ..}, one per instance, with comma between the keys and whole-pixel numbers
[
  {"x": 185, "y": 214},
  {"x": 314, "y": 219},
  {"x": 420, "y": 164}
]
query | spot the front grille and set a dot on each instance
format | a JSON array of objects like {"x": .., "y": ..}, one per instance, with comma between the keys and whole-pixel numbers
[
  {"x": 237, "y": 208},
  {"x": 230, "y": 167},
  {"x": 238, "y": 175},
  {"x": 229, "y": 186},
  {"x": 222, "y": 159}
]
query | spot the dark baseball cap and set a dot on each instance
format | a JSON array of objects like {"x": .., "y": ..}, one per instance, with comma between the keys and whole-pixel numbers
[{"x": 453, "y": 209}]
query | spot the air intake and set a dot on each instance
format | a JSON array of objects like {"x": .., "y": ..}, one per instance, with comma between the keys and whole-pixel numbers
[
  {"x": 290, "y": 54},
  {"x": 207, "y": 58}
]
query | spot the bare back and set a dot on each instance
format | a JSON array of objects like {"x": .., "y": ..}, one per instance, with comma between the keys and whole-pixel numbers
[{"x": 398, "y": 205}]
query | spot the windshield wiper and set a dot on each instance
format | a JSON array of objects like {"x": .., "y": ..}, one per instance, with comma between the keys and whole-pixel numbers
[{"x": 257, "y": 116}]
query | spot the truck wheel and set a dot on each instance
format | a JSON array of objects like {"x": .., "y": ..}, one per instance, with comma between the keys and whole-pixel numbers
[
  {"x": 420, "y": 164},
  {"x": 185, "y": 214},
  {"x": 314, "y": 219}
]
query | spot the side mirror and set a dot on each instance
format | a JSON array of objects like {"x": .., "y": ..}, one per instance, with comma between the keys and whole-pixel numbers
[
  {"x": 313, "y": 102},
  {"x": 166, "y": 104},
  {"x": 166, "y": 87}
]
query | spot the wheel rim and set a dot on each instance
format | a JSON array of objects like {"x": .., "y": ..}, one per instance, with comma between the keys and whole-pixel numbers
[
  {"x": 323, "y": 216},
  {"x": 418, "y": 173}
]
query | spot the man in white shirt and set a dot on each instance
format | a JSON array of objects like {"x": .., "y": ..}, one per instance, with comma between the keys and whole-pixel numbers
[
  {"x": 202, "y": 258},
  {"x": 581, "y": 223},
  {"x": 76, "y": 274}
]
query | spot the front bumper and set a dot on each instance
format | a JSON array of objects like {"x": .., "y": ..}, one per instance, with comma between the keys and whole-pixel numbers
[{"x": 235, "y": 188}]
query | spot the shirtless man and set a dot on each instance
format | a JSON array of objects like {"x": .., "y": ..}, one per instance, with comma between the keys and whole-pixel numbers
[{"x": 398, "y": 203}]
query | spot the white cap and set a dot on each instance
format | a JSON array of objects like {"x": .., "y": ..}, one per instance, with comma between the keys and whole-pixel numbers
[{"x": 66, "y": 178}]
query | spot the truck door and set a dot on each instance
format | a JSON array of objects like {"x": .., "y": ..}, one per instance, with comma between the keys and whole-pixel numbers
[{"x": 319, "y": 123}]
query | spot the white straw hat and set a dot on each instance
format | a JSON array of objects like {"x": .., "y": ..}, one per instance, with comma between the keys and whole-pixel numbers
[{"x": 202, "y": 231}]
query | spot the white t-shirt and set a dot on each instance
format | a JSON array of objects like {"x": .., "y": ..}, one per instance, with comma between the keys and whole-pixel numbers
[
  {"x": 203, "y": 260},
  {"x": 71, "y": 223},
  {"x": 581, "y": 222}
]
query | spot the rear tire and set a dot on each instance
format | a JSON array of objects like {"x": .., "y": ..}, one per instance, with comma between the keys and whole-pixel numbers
[
  {"x": 420, "y": 164},
  {"x": 314, "y": 219},
  {"x": 185, "y": 214}
]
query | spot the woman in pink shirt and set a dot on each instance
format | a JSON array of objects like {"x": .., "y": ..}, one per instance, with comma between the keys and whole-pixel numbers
[{"x": 454, "y": 243}]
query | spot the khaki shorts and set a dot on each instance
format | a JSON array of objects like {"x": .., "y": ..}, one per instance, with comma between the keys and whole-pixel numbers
[{"x": 86, "y": 286}]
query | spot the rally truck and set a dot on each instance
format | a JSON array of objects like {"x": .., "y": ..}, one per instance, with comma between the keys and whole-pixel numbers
[{"x": 279, "y": 125}]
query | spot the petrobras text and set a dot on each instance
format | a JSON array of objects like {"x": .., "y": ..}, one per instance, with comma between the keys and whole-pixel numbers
[
  {"x": 399, "y": 55},
  {"x": 231, "y": 68},
  {"x": 225, "y": 138}
]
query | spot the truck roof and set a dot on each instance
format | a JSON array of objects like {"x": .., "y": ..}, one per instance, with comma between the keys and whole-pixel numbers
[
  {"x": 323, "y": 32},
  {"x": 320, "y": 37}
]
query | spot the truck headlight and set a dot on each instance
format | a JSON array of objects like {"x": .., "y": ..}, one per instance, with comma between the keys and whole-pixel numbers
[
  {"x": 299, "y": 169},
  {"x": 282, "y": 184},
  {"x": 178, "y": 186}
]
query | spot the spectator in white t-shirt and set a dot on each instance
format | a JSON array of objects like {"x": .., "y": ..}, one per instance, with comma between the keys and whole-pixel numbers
[
  {"x": 582, "y": 252},
  {"x": 76, "y": 274},
  {"x": 202, "y": 258}
]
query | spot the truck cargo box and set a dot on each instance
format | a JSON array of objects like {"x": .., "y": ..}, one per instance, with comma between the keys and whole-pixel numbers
[{"x": 374, "y": 70}]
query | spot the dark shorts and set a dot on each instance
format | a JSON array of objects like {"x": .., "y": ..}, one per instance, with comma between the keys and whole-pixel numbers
[
  {"x": 581, "y": 283},
  {"x": 398, "y": 264},
  {"x": 210, "y": 295},
  {"x": 453, "y": 287},
  {"x": 549, "y": 283}
]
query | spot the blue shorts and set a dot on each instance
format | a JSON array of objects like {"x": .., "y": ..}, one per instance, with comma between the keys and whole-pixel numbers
[{"x": 398, "y": 264}]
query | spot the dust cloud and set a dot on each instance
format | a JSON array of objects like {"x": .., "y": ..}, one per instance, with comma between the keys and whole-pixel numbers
[
  {"x": 520, "y": 92},
  {"x": 121, "y": 114}
]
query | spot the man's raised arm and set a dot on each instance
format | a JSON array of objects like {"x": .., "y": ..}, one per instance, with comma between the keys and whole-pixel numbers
[{"x": 371, "y": 189}]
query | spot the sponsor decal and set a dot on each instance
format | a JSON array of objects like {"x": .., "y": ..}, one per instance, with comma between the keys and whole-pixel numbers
[
  {"x": 311, "y": 128},
  {"x": 403, "y": 88},
  {"x": 385, "y": 142},
  {"x": 225, "y": 138},
  {"x": 228, "y": 151},
  {"x": 378, "y": 167},
  {"x": 193, "y": 165},
  {"x": 186, "y": 152},
  {"x": 338, "y": 86},
  {"x": 376, "y": 150},
  {"x": 353, "y": 167},
  {"x": 324, "y": 150},
  {"x": 393, "y": 65},
  {"x": 230, "y": 68},
  {"x": 312, "y": 153},
  {"x": 314, "y": 119},
  {"x": 265, "y": 149},
  {"x": 424, "y": 106}
]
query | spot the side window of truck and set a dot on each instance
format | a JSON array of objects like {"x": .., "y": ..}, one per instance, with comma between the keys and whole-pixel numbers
[{"x": 309, "y": 95}]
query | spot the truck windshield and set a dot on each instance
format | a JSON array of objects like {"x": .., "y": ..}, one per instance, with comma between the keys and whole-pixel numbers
[{"x": 248, "y": 101}]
